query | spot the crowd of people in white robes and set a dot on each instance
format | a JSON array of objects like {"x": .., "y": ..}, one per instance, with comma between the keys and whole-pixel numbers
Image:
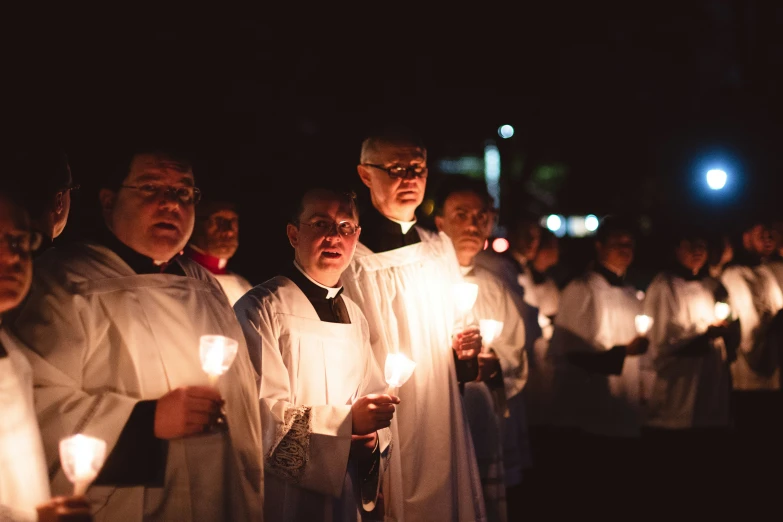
[{"x": 542, "y": 398}]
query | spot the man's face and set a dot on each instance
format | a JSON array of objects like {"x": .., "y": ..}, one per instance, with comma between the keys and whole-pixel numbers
[
  {"x": 692, "y": 254},
  {"x": 464, "y": 220},
  {"x": 150, "y": 218},
  {"x": 320, "y": 249},
  {"x": 527, "y": 239},
  {"x": 218, "y": 233},
  {"x": 617, "y": 251},
  {"x": 395, "y": 198},
  {"x": 760, "y": 240},
  {"x": 16, "y": 266}
]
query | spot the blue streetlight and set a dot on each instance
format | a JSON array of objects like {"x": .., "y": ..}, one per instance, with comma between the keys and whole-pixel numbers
[{"x": 716, "y": 179}]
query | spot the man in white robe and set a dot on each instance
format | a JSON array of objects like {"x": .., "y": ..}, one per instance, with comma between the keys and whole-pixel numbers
[
  {"x": 24, "y": 484},
  {"x": 214, "y": 242},
  {"x": 401, "y": 277},
  {"x": 687, "y": 414},
  {"x": 492, "y": 402},
  {"x": 113, "y": 328},
  {"x": 323, "y": 403},
  {"x": 597, "y": 377}
]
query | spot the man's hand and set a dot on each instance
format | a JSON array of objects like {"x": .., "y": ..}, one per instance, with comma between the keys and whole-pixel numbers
[
  {"x": 65, "y": 509},
  {"x": 362, "y": 445},
  {"x": 186, "y": 411},
  {"x": 372, "y": 413},
  {"x": 467, "y": 343},
  {"x": 489, "y": 365},
  {"x": 638, "y": 346}
]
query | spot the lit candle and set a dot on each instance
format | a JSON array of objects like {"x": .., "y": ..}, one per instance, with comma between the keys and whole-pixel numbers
[
  {"x": 643, "y": 324},
  {"x": 543, "y": 320},
  {"x": 81, "y": 458},
  {"x": 217, "y": 354},
  {"x": 722, "y": 311},
  {"x": 490, "y": 329},
  {"x": 397, "y": 370}
]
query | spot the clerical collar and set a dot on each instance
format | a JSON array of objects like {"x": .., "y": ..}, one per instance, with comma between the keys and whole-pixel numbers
[
  {"x": 465, "y": 270},
  {"x": 611, "y": 278},
  {"x": 381, "y": 234},
  {"x": 331, "y": 293},
  {"x": 685, "y": 273},
  {"x": 139, "y": 263},
  {"x": 216, "y": 265}
]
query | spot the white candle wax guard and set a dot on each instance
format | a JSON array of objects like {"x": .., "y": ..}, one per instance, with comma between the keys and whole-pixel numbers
[
  {"x": 217, "y": 353},
  {"x": 490, "y": 329},
  {"x": 398, "y": 369},
  {"x": 81, "y": 458},
  {"x": 465, "y": 296},
  {"x": 643, "y": 324},
  {"x": 722, "y": 311}
]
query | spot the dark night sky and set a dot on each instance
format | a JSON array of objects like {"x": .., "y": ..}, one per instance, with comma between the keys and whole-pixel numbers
[{"x": 629, "y": 97}]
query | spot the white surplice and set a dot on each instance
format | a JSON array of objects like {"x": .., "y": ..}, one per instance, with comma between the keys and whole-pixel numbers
[
  {"x": 312, "y": 372},
  {"x": 24, "y": 483},
  {"x": 234, "y": 285},
  {"x": 101, "y": 338},
  {"x": 688, "y": 391},
  {"x": 595, "y": 316},
  {"x": 490, "y": 411},
  {"x": 755, "y": 298},
  {"x": 406, "y": 296}
]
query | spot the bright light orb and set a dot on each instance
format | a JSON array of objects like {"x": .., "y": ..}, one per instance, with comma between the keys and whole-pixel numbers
[
  {"x": 500, "y": 244},
  {"x": 716, "y": 179},
  {"x": 553, "y": 222},
  {"x": 591, "y": 223},
  {"x": 506, "y": 131}
]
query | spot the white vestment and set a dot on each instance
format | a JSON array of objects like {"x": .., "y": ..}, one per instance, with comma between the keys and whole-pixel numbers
[
  {"x": 406, "y": 296},
  {"x": 755, "y": 298},
  {"x": 24, "y": 483},
  {"x": 102, "y": 338},
  {"x": 688, "y": 391},
  {"x": 594, "y": 317},
  {"x": 312, "y": 372},
  {"x": 234, "y": 285},
  {"x": 489, "y": 411}
]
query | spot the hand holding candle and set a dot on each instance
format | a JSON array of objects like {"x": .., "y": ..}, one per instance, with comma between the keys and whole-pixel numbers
[{"x": 81, "y": 458}]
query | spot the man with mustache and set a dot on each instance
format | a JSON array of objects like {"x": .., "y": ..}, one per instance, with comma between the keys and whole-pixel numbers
[
  {"x": 113, "y": 326},
  {"x": 402, "y": 277},
  {"x": 214, "y": 242},
  {"x": 493, "y": 402},
  {"x": 324, "y": 408}
]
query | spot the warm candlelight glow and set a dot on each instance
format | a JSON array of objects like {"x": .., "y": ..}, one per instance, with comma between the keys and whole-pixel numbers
[
  {"x": 81, "y": 458},
  {"x": 398, "y": 369},
  {"x": 543, "y": 320},
  {"x": 217, "y": 354},
  {"x": 490, "y": 329},
  {"x": 465, "y": 296},
  {"x": 722, "y": 311},
  {"x": 643, "y": 324}
]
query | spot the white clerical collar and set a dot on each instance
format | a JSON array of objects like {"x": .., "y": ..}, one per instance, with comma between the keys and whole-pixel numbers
[
  {"x": 404, "y": 225},
  {"x": 221, "y": 262},
  {"x": 331, "y": 293},
  {"x": 465, "y": 270}
]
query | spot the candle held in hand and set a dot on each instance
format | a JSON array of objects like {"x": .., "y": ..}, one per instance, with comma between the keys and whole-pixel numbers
[
  {"x": 643, "y": 324},
  {"x": 217, "y": 354},
  {"x": 81, "y": 458}
]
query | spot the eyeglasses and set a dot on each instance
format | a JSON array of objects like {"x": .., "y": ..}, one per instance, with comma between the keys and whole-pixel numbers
[
  {"x": 323, "y": 227},
  {"x": 185, "y": 195},
  {"x": 397, "y": 171},
  {"x": 22, "y": 244}
]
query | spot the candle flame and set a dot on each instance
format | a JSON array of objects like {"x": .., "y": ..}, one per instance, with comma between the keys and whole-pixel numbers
[
  {"x": 217, "y": 354},
  {"x": 643, "y": 324},
  {"x": 398, "y": 369},
  {"x": 722, "y": 311}
]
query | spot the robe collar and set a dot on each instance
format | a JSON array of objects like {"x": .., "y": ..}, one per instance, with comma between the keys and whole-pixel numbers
[
  {"x": 685, "y": 273},
  {"x": 312, "y": 289},
  {"x": 139, "y": 263},
  {"x": 216, "y": 265},
  {"x": 381, "y": 234},
  {"x": 467, "y": 270},
  {"x": 611, "y": 278}
]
